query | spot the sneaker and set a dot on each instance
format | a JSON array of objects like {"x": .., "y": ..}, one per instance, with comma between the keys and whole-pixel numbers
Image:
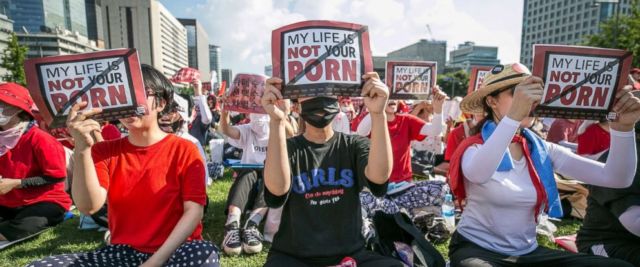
[
  {"x": 251, "y": 239},
  {"x": 231, "y": 243}
]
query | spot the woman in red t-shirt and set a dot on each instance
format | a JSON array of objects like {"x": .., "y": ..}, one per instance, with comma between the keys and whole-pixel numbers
[
  {"x": 152, "y": 183},
  {"x": 32, "y": 196}
]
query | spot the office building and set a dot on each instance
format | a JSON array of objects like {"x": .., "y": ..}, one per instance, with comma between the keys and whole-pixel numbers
[
  {"x": 214, "y": 60},
  {"x": 469, "y": 54},
  {"x": 35, "y": 16},
  {"x": 94, "y": 21},
  {"x": 197, "y": 47},
  {"x": 56, "y": 42},
  {"x": 227, "y": 76},
  {"x": 564, "y": 22},
  {"x": 6, "y": 29},
  {"x": 148, "y": 26}
]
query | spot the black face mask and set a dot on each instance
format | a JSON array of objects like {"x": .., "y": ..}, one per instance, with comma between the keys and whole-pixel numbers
[{"x": 327, "y": 106}]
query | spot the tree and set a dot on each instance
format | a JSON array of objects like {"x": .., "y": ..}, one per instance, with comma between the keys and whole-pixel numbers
[
  {"x": 13, "y": 61},
  {"x": 454, "y": 83},
  {"x": 625, "y": 34}
]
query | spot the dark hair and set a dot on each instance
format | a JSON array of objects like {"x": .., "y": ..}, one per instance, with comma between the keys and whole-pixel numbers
[
  {"x": 159, "y": 84},
  {"x": 488, "y": 112}
]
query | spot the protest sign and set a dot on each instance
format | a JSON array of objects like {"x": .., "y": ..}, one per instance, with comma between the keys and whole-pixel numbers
[
  {"x": 410, "y": 79},
  {"x": 245, "y": 93},
  {"x": 477, "y": 77},
  {"x": 321, "y": 58},
  {"x": 579, "y": 82},
  {"x": 186, "y": 75},
  {"x": 111, "y": 80}
]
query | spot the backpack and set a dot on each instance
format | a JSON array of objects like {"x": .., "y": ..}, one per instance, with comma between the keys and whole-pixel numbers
[{"x": 392, "y": 229}]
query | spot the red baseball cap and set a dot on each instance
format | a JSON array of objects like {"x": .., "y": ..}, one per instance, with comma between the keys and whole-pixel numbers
[{"x": 17, "y": 96}]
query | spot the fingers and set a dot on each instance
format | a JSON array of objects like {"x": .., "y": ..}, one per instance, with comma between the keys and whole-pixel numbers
[
  {"x": 275, "y": 81},
  {"x": 371, "y": 75},
  {"x": 74, "y": 110},
  {"x": 532, "y": 80}
]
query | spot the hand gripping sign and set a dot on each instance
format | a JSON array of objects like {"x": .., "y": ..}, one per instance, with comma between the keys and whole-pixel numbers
[
  {"x": 410, "y": 79},
  {"x": 579, "y": 82},
  {"x": 245, "y": 93},
  {"x": 477, "y": 77},
  {"x": 111, "y": 80},
  {"x": 321, "y": 58}
]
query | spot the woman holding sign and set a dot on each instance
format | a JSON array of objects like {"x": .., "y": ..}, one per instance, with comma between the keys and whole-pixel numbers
[
  {"x": 32, "y": 196},
  {"x": 506, "y": 174},
  {"x": 152, "y": 183}
]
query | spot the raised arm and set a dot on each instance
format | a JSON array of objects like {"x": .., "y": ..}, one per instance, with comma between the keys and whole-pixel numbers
[
  {"x": 201, "y": 101},
  {"x": 436, "y": 127},
  {"x": 479, "y": 163},
  {"x": 622, "y": 162},
  {"x": 375, "y": 94},
  {"x": 87, "y": 193},
  {"x": 277, "y": 173},
  {"x": 226, "y": 128}
]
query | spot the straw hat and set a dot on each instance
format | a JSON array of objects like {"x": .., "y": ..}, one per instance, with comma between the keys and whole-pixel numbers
[{"x": 501, "y": 77}]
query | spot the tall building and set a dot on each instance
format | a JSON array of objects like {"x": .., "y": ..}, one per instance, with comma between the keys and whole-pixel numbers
[
  {"x": 563, "y": 22},
  {"x": 423, "y": 50},
  {"x": 469, "y": 54},
  {"x": 94, "y": 21},
  {"x": 56, "y": 42},
  {"x": 268, "y": 70},
  {"x": 6, "y": 29},
  {"x": 148, "y": 26},
  {"x": 214, "y": 60},
  {"x": 227, "y": 76},
  {"x": 197, "y": 47},
  {"x": 36, "y": 15}
]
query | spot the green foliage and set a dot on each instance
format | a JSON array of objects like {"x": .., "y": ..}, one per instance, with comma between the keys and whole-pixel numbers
[
  {"x": 625, "y": 34},
  {"x": 184, "y": 90},
  {"x": 454, "y": 83},
  {"x": 13, "y": 61}
]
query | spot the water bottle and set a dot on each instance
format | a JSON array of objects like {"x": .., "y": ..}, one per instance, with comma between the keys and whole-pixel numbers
[{"x": 449, "y": 212}]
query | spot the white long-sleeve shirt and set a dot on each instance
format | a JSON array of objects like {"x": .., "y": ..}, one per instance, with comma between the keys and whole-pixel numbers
[
  {"x": 499, "y": 212},
  {"x": 205, "y": 113}
]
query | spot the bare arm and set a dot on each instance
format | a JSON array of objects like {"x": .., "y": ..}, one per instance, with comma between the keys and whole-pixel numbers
[
  {"x": 87, "y": 193},
  {"x": 226, "y": 128},
  {"x": 277, "y": 173},
  {"x": 191, "y": 217},
  {"x": 380, "y": 163}
]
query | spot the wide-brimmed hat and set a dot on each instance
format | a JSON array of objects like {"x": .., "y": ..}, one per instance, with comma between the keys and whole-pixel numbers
[
  {"x": 501, "y": 77},
  {"x": 17, "y": 96}
]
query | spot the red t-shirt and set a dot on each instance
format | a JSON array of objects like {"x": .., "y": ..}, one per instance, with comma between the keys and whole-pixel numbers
[
  {"x": 147, "y": 187},
  {"x": 402, "y": 130},
  {"x": 593, "y": 141},
  {"x": 453, "y": 141},
  {"x": 36, "y": 154},
  {"x": 110, "y": 132}
]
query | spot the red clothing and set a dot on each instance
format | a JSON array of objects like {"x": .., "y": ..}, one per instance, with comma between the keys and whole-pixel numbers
[
  {"x": 36, "y": 154},
  {"x": 563, "y": 130},
  {"x": 402, "y": 130},
  {"x": 147, "y": 187},
  {"x": 456, "y": 136},
  {"x": 594, "y": 140},
  {"x": 110, "y": 132}
]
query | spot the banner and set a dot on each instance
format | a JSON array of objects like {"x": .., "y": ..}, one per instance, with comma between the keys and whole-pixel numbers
[
  {"x": 111, "y": 80},
  {"x": 186, "y": 75},
  {"x": 579, "y": 82},
  {"x": 477, "y": 77},
  {"x": 321, "y": 58},
  {"x": 410, "y": 79},
  {"x": 245, "y": 93}
]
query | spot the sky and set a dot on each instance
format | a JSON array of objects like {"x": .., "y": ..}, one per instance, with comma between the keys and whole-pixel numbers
[{"x": 242, "y": 28}]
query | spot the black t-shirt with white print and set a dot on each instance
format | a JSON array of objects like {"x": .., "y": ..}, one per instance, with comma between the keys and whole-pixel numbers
[{"x": 321, "y": 217}]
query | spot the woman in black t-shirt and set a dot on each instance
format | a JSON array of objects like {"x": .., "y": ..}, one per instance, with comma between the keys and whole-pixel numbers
[{"x": 316, "y": 178}]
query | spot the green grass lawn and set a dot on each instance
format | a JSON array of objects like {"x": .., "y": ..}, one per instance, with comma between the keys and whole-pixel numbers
[{"x": 67, "y": 238}]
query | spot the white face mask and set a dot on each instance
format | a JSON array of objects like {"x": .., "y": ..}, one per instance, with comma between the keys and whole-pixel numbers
[
  {"x": 344, "y": 109},
  {"x": 259, "y": 124},
  {"x": 4, "y": 119}
]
